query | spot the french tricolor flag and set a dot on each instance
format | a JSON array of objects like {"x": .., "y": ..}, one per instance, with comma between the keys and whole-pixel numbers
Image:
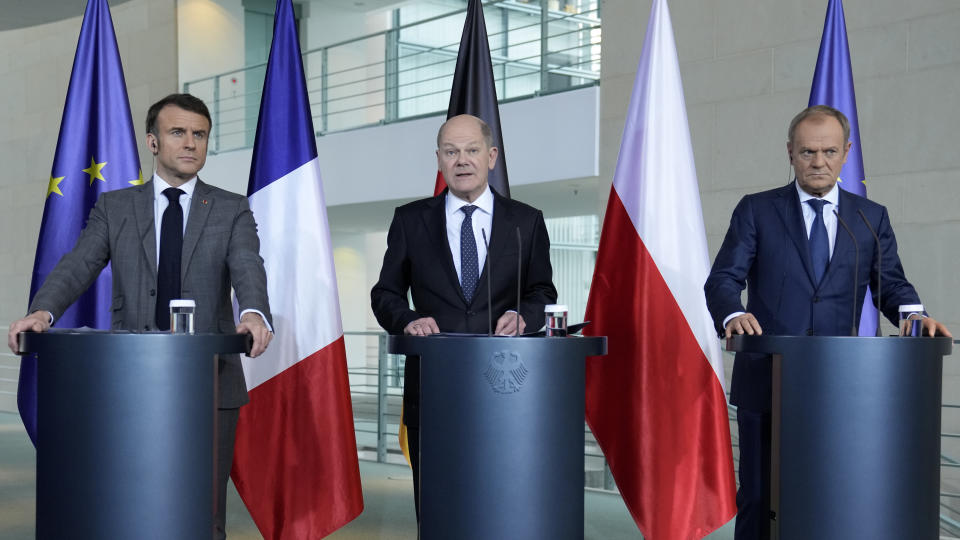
[
  {"x": 656, "y": 402},
  {"x": 295, "y": 460}
]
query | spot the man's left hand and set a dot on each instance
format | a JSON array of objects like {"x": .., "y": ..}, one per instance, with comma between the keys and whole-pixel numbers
[
  {"x": 507, "y": 324},
  {"x": 253, "y": 324},
  {"x": 928, "y": 327}
]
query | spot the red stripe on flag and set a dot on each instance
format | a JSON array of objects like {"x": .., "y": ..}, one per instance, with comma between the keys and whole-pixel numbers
[
  {"x": 654, "y": 402},
  {"x": 296, "y": 440}
]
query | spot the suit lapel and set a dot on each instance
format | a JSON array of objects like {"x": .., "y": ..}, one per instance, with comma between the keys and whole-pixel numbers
[
  {"x": 143, "y": 212},
  {"x": 200, "y": 205},
  {"x": 788, "y": 206},
  {"x": 435, "y": 221},
  {"x": 502, "y": 235}
]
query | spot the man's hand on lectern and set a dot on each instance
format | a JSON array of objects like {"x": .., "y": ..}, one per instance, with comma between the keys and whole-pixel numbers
[
  {"x": 928, "y": 327},
  {"x": 251, "y": 323},
  {"x": 423, "y": 326},
  {"x": 743, "y": 324},
  {"x": 38, "y": 321}
]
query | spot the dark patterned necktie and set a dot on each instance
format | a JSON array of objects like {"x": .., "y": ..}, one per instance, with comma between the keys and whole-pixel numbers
[
  {"x": 819, "y": 242},
  {"x": 469, "y": 266},
  {"x": 168, "y": 265}
]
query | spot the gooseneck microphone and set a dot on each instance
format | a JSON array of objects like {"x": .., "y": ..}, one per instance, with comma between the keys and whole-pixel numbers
[
  {"x": 856, "y": 271},
  {"x": 879, "y": 269},
  {"x": 516, "y": 331},
  {"x": 486, "y": 246}
]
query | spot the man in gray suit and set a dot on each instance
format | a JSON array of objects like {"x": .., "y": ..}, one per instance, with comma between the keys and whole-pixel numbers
[{"x": 134, "y": 229}]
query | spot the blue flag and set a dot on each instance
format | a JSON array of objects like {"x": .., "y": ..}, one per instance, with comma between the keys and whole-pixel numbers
[
  {"x": 833, "y": 86},
  {"x": 96, "y": 152}
]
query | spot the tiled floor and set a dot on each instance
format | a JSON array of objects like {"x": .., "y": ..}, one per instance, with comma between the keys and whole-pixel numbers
[{"x": 387, "y": 491}]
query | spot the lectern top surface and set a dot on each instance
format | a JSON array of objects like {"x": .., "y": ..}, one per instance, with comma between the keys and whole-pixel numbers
[
  {"x": 583, "y": 346},
  {"x": 85, "y": 338},
  {"x": 771, "y": 344}
]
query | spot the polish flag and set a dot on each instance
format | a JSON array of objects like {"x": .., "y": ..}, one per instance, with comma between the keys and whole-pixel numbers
[
  {"x": 656, "y": 402},
  {"x": 295, "y": 460}
]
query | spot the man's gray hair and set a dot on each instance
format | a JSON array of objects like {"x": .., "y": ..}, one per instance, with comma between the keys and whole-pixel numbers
[{"x": 819, "y": 110}]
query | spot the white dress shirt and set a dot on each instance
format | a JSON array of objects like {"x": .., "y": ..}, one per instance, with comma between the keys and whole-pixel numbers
[
  {"x": 160, "y": 203},
  {"x": 482, "y": 221},
  {"x": 829, "y": 218}
]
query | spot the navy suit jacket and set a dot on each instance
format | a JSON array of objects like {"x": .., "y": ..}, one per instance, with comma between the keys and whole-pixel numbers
[
  {"x": 418, "y": 260},
  {"x": 766, "y": 251}
]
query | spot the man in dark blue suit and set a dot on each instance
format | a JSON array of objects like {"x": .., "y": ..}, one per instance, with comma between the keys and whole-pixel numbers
[{"x": 790, "y": 248}]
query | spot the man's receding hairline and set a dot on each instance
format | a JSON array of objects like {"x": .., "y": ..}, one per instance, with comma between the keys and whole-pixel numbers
[{"x": 486, "y": 135}]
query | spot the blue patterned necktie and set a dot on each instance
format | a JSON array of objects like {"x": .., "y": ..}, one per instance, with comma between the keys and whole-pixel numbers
[
  {"x": 819, "y": 242},
  {"x": 168, "y": 264},
  {"x": 469, "y": 265}
]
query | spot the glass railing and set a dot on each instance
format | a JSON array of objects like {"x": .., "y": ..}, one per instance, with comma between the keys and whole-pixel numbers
[{"x": 537, "y": 47}]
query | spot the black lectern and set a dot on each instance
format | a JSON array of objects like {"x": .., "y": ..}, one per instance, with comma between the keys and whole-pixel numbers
[
  {"x": 501, "y": 435},
  {"x": 126, "y": 425},
  {"x": 856, "y": 435}
]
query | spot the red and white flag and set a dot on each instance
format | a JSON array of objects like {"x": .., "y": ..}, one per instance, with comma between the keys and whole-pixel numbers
[
  {"x": 656, "y": 402},
  {"x": 295, "y": 461}
]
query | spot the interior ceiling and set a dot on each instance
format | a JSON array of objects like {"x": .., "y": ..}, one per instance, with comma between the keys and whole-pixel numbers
[
  {"x": 352, "y": 5},
  {"x": 24, "y": 13}
]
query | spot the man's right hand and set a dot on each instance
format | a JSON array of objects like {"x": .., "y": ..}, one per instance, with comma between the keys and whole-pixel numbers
[
  {"x": 422, "y": 327},
  {"x": 38, "y": 321},
  {"x": 743, "y": 324}
]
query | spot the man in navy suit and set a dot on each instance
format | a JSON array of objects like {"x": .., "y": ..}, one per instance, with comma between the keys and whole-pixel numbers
[
  {"x": 436, "y": 250},
  {"x": 790, "y": 248}
]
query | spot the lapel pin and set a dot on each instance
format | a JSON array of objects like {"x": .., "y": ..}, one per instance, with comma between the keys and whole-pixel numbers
[{"x": 204, "y": 201}]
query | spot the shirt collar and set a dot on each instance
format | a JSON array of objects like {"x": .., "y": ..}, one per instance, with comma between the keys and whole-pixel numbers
[
  {"x": 832, "y": 196},
  {"x": 484, "y": 202},
  {"x": 159, "y": 184}
]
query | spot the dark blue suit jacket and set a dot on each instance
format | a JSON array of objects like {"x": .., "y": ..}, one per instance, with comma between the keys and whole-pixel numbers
[{"x": 766, "y": 251}]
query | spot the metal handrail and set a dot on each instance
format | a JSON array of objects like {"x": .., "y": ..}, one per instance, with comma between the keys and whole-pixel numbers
[{"x": 370, "y": 92}]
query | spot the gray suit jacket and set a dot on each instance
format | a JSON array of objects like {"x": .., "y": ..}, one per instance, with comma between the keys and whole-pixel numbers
[{"x": 220, "y": 249}]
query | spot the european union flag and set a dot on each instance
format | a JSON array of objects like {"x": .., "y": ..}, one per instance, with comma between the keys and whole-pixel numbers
[
  {"x": 833, "y": 86},
  {"x": 96, "y": 152}
]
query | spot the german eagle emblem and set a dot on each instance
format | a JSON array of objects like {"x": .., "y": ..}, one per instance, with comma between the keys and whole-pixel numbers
[{"x": 505, "y": 372}]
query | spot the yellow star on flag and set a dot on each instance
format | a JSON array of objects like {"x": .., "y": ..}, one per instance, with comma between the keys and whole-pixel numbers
[
  {"x": 54, "y": 186},
  {"x": 94, "y": 170},
  {"x": 138, "y": 181}
]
